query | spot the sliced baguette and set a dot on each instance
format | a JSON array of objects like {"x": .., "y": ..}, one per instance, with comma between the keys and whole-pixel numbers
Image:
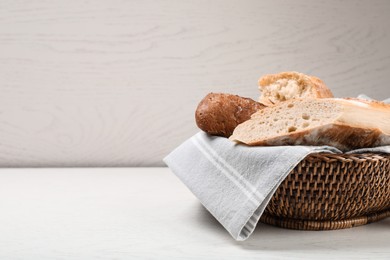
[
  {"x": 288, "y": 85},
  {"x": 343, "y": 123}
]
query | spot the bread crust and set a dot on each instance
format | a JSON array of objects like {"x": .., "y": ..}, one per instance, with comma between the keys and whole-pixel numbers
[
  {"x": 343, "y": 137},
  {"x": 318, "y": 87},
  {"x": 220, "y": 113},
  {"x": 372, "y": 103}
]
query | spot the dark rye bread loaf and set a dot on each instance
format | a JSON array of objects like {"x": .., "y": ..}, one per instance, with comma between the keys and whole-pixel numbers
[{"x": 219, "y": 113}]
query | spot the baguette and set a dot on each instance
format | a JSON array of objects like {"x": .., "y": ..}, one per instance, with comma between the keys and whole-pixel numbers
[
  {"x": 219, "y": 113},
  {"x": 346, "y": 124},
  {"x": 288, "y": 85}
]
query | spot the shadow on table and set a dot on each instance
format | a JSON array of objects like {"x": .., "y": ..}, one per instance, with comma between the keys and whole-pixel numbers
[{"x": 266, "y": 237}]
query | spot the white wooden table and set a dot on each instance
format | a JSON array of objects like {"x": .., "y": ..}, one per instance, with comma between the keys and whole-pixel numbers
[{"x": 146, "y": 213}]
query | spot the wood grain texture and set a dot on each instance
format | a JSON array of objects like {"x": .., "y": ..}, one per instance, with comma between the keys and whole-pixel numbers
[
  {"x": 144, "y": 214},
  {"x": 116, "y": 83}
]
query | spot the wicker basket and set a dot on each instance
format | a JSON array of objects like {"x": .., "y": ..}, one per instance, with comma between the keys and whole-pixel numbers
[{"x": 329, "y": 191}]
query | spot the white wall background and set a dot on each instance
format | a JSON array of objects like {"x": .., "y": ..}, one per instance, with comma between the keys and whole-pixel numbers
[{"x": 116, "y": 83}]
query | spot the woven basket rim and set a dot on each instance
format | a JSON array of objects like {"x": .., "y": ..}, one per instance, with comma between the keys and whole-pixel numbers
[
  {"x": 347, "y": 157},
  {"x": 303, "y": 224}
]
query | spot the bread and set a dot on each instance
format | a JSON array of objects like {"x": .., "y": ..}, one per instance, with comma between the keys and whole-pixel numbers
[
  {"x": 219, "y": 114},
  {"x": 343, "y": 123},
  {"x": 287, "y": 85}
]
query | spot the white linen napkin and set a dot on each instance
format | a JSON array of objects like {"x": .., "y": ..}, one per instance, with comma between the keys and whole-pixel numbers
[{"x": 235, "y": 182}]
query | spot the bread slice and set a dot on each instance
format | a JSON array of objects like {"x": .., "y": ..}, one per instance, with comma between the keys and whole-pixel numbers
[
  {"x": 287, "y": 85},
  {"x": 343, "y": 123}
]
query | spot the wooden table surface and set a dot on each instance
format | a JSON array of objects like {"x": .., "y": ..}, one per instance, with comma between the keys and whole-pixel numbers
[{"x": 146, "y": 213}]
